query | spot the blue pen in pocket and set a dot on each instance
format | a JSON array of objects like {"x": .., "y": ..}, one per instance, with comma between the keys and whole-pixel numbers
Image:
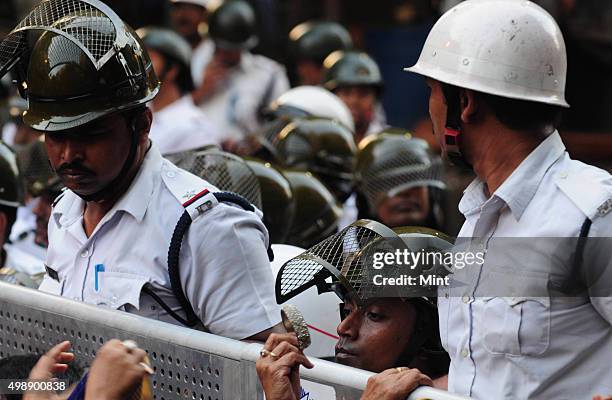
[{"x": 98, "y": 268}]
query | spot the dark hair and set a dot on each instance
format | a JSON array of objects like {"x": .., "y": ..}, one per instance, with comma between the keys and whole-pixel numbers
[
  {"x": 522, "y": 115},
  {"x": 19, "y": 367}
]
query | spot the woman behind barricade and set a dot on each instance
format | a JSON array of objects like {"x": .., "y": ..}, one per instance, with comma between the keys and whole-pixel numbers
[
  {"x": 385, "y": 329},
  {"x": 399, "y": 180}
]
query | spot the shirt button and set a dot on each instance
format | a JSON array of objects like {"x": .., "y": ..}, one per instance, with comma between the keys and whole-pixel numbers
[
  {"x": 153, "y": 308},
  {"x": 75, "y": 298},
  {"x": 85, "y": 253},
  {"x": 464, "y": 353},
  {"x": 446, "y": 295},
  {"x": 563, "y": 175},
  {"x": 465, "y": 299},
  {"x": 170, "y": 174}
]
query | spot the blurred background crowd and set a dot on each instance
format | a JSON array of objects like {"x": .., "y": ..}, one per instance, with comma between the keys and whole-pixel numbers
[{"x": 351, "y": 140}]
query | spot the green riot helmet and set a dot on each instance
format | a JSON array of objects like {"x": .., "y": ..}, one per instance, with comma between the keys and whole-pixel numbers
[
  {"x": 276, "y": 199},
  {"x": 232, "y": 24},
  {"x": 174, "y": 49},
  {"x": 76, "y": 61},
  {"x": 324, "y": 147},
  {"x": 315, "y": 40},
  {"x": 393, "y": 161},
  {"x": 11, "y": 194},
  {"x": 344, "y": 263},
  {"x": 351, "y": 68},
  {"x": 37, "y": 174},
  {"x": 316, "y": 213}
]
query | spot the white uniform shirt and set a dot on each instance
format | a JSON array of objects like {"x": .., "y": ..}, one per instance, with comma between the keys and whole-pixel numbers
[
  {"x": 249, "y": 87},
  {"x": 531, "y": 347},
  {"x": 182, "y": 126},
  {"x": 225, "y": 272}
]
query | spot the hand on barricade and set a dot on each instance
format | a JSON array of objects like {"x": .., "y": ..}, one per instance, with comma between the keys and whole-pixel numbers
[
  {"x": 52, "y": 362},
  {"x": 394, "y": 384},
  {"x": 278, "y": 367},
  {"x": 117, "y": 372}
]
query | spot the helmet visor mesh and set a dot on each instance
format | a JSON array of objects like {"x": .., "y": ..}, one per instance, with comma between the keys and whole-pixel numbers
[
  {"x": 398, "y": 174},
  {"x": 89, "y": 24},
  {"x": 226, "y": 171},
  {"x": 342, "y": 258}
]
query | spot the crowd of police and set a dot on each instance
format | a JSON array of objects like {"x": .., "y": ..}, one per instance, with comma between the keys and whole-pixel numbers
[{"x": 174, "y": 174}]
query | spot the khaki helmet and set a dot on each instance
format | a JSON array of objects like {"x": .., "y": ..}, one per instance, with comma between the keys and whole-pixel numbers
[
  {"x": 344, "y": 263},
  {"x": 76, "y": 61},
  {"x": 351, "y": 68},
  {"x": 37, "y": 174},
  {"x": 232, "y": 24},
  {"x": 11, "y": 194},
  {"x": 323, "y": 147},
  {"x": 507, "y": 48},
  {"x": 317, "y": 212},
  {"x": 312, "y": 101},
  {"x": 276, "y": 199},
  {"x": 393, "y": 161},
  {"x": 315, "y": 40}
]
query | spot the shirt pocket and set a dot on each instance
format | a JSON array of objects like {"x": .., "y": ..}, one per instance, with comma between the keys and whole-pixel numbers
[
  {"x": 516, "y": 326},
  {"x": 119, "y": 289}
]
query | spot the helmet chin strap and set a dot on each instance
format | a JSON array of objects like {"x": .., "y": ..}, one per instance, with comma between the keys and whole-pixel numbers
[
  {"x": 116, "y": 182},
  {"x": 452, "y": 127}
]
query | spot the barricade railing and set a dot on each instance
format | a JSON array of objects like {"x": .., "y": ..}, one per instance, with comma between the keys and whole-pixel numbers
[{"x": 188, "y": 364}]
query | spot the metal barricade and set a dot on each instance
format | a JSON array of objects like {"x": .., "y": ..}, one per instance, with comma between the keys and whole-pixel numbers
[{"x": 188, "y": 364}]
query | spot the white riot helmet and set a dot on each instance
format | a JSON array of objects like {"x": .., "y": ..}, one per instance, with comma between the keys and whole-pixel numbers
[
  {"x": 507, "y": 48},
  {"x": 321, "y": 311},
  {"x": 312, "y": 101}
]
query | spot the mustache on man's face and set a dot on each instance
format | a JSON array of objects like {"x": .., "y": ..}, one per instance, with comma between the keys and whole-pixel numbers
[{"x": 72, "y": 167}]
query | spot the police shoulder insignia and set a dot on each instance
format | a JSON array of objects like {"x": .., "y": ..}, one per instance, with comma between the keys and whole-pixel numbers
[{"x": 605, "y": 208}]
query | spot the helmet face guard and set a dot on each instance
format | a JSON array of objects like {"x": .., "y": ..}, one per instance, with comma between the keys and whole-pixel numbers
[
  {"x": 342, "y": 263},
  {"x": 226, "y": 171},
  {"x": 390, "y": 163},
  {"x": 75, "y": 61}
]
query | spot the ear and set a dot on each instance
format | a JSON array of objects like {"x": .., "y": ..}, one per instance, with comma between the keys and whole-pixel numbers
[
  {"x": 469, "y": 105},
  {"x": 143, "y": 124},
  {"x": 172, "y": 74}
]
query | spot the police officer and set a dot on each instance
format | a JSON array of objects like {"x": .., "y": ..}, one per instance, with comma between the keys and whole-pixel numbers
[
  {"x": 233, "y": 86},
  {"x": 327, "y": 149},
  {"x": 377, "y": 332},
  {"x": 401, "y": 180},
  {"x": 356, "y": 79},
  {"x": 189, "y": 18},
  {"x": 110, "y": 231},
  {"x": 497, "y": 72},
  {"x": 310, "y": 42},
  {"x": 16, "y": 266},
  {"x": 178, "y": 125}
]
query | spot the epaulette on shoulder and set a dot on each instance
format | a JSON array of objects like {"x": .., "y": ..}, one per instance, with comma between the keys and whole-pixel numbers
[
  {"x": 589, "y": 189},
  {"x": 190, "y": 191}
]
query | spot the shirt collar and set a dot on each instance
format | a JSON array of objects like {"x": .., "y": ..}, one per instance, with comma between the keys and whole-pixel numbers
[
  {"x": 135, "y": 200},
  {"x": 520, "y": 187}
]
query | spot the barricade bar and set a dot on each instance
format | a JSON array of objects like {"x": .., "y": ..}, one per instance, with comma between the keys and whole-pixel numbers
[{"x": 187, "y": 363}]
